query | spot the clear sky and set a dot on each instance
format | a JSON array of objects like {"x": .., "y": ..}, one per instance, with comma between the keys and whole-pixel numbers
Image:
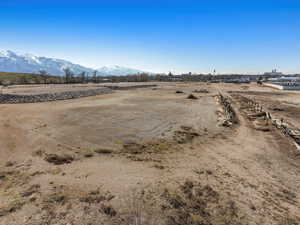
[{"x": 159, "y": 36}]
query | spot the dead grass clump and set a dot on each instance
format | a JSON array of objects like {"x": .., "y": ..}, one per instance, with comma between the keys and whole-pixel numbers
[
  {"x": 108, "y": 210},
  {"x": 190, "y": 204},
  {"x": 31, "y": 190},
  {"x": 148, "y": 157},
  {"x": 10, "y": 164},
  {"x": 138, "y": 209},
  {"x": 174, "y": 199},
  {"x": 55, "y": 171},
  {"x": 158, "y": 166},
  {"x": 5, "y": 174},
  {"x": 277, "y": 109},
  {"x": 191, "y": 96},
  {"x": 38, "y": 153},
  {"x": 13, "y": 179},
  {"x": 194, "y": 204},
  {"x": 56, "y": 198},
  {"x": 59, "y": 159},
  {"x": 157, "y": 146},
  {"x": 186, "y": 134},
  {"x": 288, "y": 195},
  {"x": 104, "y": 151},
  {"x": 290, "y": 221},
  {"x": 12, "y": 207},
  {"x": 94, "y": 197},
  {"x": 133, "y": 147},
  {"x": 88, "y": 155},
  {"x": 245, "y": 87}
]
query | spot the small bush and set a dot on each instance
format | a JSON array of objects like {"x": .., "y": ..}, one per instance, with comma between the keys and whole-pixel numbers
[
  {"x": 59, "y": 160},
  {"x": 191, "y": 96}
]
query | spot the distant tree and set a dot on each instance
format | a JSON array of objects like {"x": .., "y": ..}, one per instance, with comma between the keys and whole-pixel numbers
[
  {"x": 68, "y": 75},
  {"x": 36, "y": 80},
  {"x": 82, "y": 77},
  {"x": 95, "y": 76},
  {"x": 87, "y": 77},
  {"x": 144, "y": 77},
  {"x": 44, "y": 74},
  {"x": 260, "y": 80},
  {"x": 22, "y": 80}
]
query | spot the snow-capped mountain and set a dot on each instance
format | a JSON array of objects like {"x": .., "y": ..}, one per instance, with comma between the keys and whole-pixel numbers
[
  {"x": 117, "y": 70},
  {"x": 27, "y": 63}
]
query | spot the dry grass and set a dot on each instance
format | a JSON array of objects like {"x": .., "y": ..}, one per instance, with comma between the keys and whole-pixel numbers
[
  {"x": 190, "y": 204},
  {"x": 138, "y": 211},
  {"x": 194, "y": 204},
  {"x": 59, "y": 159}
]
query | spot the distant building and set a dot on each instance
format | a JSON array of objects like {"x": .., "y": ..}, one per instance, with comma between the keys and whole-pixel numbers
[
  {"x": 285, "y": 79},
  {"x": 274, "y": 73},
  {"x": 284, "y": 83}
]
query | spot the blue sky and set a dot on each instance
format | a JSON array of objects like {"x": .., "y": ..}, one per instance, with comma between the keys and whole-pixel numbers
[{"x": 159, "y": 36}]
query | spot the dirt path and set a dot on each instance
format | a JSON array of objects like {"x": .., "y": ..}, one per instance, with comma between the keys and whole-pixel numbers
[{"x": 253, "y": 168}]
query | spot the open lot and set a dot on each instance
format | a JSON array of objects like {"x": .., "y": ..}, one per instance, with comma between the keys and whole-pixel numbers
[{"x": 149, "y": 156}]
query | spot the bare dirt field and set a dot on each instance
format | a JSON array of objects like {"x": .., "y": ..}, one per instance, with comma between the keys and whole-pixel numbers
[
  {"x": 151, "y": 156},
  {"x": 57, "y": 88}
]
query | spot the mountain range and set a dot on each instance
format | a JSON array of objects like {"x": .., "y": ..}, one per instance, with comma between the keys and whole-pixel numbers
[{"x": 27, "y": 63}]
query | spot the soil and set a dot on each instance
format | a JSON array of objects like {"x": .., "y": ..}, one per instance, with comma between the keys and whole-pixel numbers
[{"x": 150, "y": 156}]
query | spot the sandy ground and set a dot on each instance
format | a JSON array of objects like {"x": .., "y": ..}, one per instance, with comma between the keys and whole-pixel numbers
[
  {"x": 57, "y": 88},
  {"x": 149, "y": 156}
]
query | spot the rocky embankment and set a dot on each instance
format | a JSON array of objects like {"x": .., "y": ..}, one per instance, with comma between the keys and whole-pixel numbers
[
  {"x": 47, "y": 97},
  {"x": 131, "y": 87},
  {"x": 15, "y": 99}
]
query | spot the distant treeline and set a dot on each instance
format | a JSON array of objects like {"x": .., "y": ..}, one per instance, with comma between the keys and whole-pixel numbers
[
  {"x": 70, "y": 77},
  {"x": 7, "y": 78},
  {"x": 27, "y": 78}
]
